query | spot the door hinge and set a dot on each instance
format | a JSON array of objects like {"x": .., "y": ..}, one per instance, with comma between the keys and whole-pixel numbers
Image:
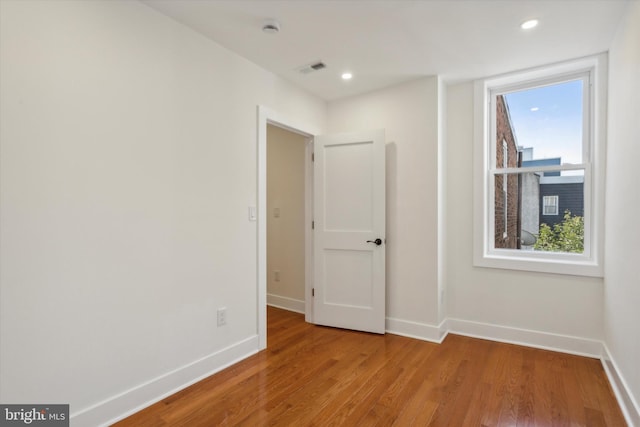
[
  {"x": 313, "y": 225},
  {"x": 313, "y": 292},
  {"x": 313, "y": 157}
]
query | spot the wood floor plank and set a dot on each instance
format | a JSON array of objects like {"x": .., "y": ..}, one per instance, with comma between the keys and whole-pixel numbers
[
  {"x": 417, "y": 410},
  {"x": 316, "y": 376},
  {"x": 345, "y": 378},
  {"x": 493, "y": 377},
  {"x": 474, "y": 359},
  {"x": 511, "y": 390},
  {"x": 372, "y": 372}
]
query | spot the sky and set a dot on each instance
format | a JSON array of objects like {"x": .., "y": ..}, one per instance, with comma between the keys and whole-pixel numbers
[{"x": 549, "y": 119}]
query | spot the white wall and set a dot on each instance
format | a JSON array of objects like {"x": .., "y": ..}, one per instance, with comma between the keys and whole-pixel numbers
[
  {"x": 622, "y": 250},
  {"x": 547, "y": 303},
  {"x": 128, "y": 163},
  {"x": 285, "y": 233},
  {"x": 409, "y": 115}
]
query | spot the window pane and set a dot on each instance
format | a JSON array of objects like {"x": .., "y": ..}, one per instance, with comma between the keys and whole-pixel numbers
[
  {"x": 549, "y": 205},
  {"x": 540, "y": 212},
  {"x": 547, "y": 123}
]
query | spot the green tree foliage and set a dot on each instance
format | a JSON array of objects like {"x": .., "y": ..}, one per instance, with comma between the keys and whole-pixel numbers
[{"x": 567, "y": 236}]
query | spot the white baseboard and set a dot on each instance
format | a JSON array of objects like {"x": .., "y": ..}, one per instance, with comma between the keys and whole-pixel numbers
[
  {"x": 544, "y": 340},
  {"x": 547, "y": 341},
  {"x": 421, "y": 331},
  {"x": 133, "y": 400},
  {"x": 286, "y": 303},
  {"x": 628, "y": 404}
]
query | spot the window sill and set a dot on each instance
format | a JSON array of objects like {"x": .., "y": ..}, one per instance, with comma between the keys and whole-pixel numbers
[{"x": 573, "y": 265}]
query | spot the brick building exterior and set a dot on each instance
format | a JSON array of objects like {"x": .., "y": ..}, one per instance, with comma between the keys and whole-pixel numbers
[{"x": 507, "y": 202}]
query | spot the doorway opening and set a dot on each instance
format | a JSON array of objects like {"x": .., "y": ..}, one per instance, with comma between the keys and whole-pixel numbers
[
  {"x": 285, "y": 218},
  {"x": 269, "y": 119}
]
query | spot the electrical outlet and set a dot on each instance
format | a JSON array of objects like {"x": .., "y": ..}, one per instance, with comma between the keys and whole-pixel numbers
[
  {"x": 222, "y": 316},
  {"x": 276, "y": 275}
]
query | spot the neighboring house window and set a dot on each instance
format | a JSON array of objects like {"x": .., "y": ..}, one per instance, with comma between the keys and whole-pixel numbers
[
  {"x": 539, "y": 130},
  {"x": 550, "y": 205}
]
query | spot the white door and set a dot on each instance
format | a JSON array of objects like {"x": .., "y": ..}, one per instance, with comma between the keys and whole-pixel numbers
[{"x": 349, "y": 234}]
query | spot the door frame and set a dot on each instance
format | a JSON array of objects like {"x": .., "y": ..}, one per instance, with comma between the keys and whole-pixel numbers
[{"x": 267, "y": 116}]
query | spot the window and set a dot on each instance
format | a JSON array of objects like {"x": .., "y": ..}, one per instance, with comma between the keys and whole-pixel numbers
[
  {"x": 550, "y": 205},
  {"x": 538, "y": 169}
]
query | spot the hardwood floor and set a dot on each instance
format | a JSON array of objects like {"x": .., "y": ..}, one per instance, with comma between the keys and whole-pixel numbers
[{"x": 316, "y": 376}]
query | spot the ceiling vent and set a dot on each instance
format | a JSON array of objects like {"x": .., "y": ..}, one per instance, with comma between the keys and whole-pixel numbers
[
  {"x": 271, "y": 26},
  {"x": 310, "y": 68}
]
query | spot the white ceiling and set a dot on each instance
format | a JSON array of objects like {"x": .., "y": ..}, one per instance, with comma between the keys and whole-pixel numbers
[{"x": 387, "y": 42}]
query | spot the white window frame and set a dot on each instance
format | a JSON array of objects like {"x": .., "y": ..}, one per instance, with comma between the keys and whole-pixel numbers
[
  {"x": 590, "y": 262},
  {"x": 505, "y": 188},
  {"x": 556, "y": 202}
]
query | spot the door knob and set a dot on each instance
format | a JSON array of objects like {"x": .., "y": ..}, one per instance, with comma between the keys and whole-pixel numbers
[{"x": 377, "y": 241}]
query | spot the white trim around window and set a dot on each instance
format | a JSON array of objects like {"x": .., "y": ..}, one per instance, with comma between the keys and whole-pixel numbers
[{"x": 590, "y": 262}]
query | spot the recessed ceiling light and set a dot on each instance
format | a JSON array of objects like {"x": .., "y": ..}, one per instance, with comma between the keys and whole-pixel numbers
[
  {"x": 527, "y": 25},
  {"x": 347, "y": 76}
]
